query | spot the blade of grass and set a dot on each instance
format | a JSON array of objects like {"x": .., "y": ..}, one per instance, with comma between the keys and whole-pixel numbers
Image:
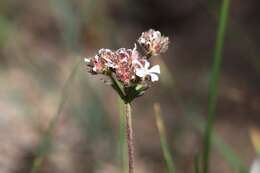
[
  {"x": 46, "y": 141},
  {"x": 233, "y": 159},
  {"x": 214, "y": 80},
  {"x": 162, "y": 134},
  {"x": 249, "y": 44},
  {"x": 226, "y": 151},
  {"x": 122, "y": 139}
]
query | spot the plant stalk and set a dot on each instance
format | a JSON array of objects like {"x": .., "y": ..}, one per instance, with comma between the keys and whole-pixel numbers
[
  {"x": 129, "y": 135},
  {"x": 214, "y": 81}
]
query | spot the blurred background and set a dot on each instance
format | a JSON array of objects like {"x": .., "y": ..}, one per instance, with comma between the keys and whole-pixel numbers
[{"x": 43, "y": 80}]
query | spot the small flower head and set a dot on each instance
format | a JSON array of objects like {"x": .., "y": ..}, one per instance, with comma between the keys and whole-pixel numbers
[
  {"x": 153, "y": 42},
  {"x": 130, "y": 73},
  {"x": 125, "y": 72},
  {"x": 102, "y": 62}
]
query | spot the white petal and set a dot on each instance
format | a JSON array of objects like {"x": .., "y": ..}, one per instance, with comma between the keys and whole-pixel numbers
[
  {"x": 135, "y": 54},
  {"x": 156, "y": 34},
  {"x": 107, "y": 59},
  {"x": 101, "y": 50},
  {"x": 146, "y": 64},
  {"x": 155, "y": 69},
  {"x": 140, "y": 72},
  {"x": 137, "y": 62},
  {"x": 154, "y": 77},
  {"x": 87, "y": 60},
  {"x": 141, "y": 40},
  {"x": 110, "y": 64},
  {"x": 124, "y": 60},
  {"x": 135, "y": 47}
]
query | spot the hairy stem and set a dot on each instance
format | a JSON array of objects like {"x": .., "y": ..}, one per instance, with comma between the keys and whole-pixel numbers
[{"x": 129, "y": 134}]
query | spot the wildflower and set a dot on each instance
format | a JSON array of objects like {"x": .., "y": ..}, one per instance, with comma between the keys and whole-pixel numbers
[
  {"x": 152, "y": 73},
  {"x": 153, "y": 42},
  {"x": 129, "y": 71},
  {"x": 130, "y": 74}
]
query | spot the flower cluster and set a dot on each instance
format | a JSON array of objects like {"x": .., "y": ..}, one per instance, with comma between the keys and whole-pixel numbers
[
  {"x": 130, "y": 68},
  {"x": 153, "y": 42}
]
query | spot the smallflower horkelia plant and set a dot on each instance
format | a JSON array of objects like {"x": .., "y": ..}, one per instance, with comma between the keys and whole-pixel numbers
[
  {"x": 130, "y": 70},
  {"x": 130, "y": 73}
]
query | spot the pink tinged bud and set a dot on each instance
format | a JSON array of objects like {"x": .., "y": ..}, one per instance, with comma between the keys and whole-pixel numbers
[
  {"x": 124, "y": 74},
  {"x": 125, "y": 71},
  {"x": 107, "y": 58},
  {"x": 98, "y": 68},
  {"x": 153, "y": 42},
  {"x": 135, "y": 54},
  {"x": 90, "y": 64},
  {"x": 124, "y": 55}
]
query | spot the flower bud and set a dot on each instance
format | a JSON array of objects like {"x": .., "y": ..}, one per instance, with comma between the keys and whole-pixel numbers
[{"x": 153, "y": 42}]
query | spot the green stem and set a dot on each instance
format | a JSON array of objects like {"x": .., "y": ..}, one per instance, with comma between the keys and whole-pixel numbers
[
  {"x": 122, "y": 139},
  {"x": 213, "y": 85},
  {"x": 117, "y": 86},
  {"x": 129, "y": 134}
]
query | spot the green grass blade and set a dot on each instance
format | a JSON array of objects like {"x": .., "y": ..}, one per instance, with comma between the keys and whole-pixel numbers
[
  {"x": 46, "y": 141},
  {"x": 214, "y": 80},
  {"x": 164, "y": 145},
  {"x": 237, "y": 31},
  {"x": 233, "y": 159},
  {"x": 226, "y": 151}
]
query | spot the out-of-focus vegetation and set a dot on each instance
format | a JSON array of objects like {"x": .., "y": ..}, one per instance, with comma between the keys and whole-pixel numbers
[{"x": 40, "y": 43}]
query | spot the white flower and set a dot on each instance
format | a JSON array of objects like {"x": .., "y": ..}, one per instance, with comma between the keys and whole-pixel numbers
[{"x": 144, "y": 71}]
